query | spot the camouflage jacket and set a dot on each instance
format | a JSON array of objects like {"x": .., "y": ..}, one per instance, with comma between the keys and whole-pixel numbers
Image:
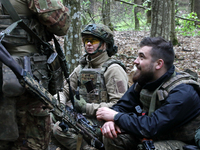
[{"x": 39, "y": 19}]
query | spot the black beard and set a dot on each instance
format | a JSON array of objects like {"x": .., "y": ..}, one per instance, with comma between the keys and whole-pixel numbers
[{"x": 144, "y": 77}]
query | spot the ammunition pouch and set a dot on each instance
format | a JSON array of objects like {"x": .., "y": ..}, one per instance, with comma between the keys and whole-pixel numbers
[
  {"x": 92, "y": 87},
  {"x": 47, "y": 72},
  {"x": 39, "y": 69},
  {"x": 56, "y": 76},
  {"x": 11, "y": 86},
  {"x": 12, "y": 89}
]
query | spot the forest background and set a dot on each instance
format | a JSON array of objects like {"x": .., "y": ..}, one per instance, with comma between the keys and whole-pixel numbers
[{"x": 131, "y": 21}]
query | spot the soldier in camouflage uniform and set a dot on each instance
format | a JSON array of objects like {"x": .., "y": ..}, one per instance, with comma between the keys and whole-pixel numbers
[
  {"x": 101, "y": 80},
  {"x": 24, "y": 124},
  {"x": 162, "y": 105}
]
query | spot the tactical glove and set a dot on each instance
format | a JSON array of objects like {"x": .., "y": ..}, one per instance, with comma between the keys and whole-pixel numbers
[{"x": 80, "y": 105}]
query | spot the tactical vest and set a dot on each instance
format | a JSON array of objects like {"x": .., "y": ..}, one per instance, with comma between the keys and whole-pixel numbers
[
  {"x": 19, "y": 36},
  {"x": 162, "y": 92},
  {"x": 92, "y": 82},
  {"x": 185, "y": 132}
]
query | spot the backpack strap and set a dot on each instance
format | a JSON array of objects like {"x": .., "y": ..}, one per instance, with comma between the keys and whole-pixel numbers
[
  {"x": 164, "y": 89},
  {"x": 16, "y": 18},
  {"x": 152, "y": 106},
  {"x": 109, "y": 62},
  {"x": 181, "y": 78}
]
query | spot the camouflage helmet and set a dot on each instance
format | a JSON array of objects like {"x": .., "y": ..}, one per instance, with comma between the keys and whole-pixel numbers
[{"x": 104, "y": 33}]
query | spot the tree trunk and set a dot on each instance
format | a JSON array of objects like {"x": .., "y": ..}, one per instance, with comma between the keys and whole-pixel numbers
[
  {"x": 173, "y": 37},
  {"x": 161, "y": 18},
  {"x": 149, "y": 13},
  {"x": 136, "y": 10},
  {"x": 72, "y": 43},
  {"x": 197, "y": 7},
  {"x": 92, "y": 7},
  {"x": 192, "y": 5},
  {"x": 106, "y": 13}
]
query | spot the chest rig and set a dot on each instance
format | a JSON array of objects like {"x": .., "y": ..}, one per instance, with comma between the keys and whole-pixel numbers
[
  {"x": 152, "y": 100},
  {"x": 92, "y": 82},
  {"x": 19, "y": 37}
]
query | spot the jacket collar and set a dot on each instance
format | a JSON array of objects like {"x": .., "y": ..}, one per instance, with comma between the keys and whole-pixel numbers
[
  {"x": 97, "y": 61},
  {"x": 155, "y": 84}
]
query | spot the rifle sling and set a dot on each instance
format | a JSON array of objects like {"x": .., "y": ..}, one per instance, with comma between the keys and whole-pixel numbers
[{"x": 14, "y": 15}]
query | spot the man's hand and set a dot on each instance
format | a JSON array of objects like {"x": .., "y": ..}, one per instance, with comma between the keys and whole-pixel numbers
[
  {"x": 110, "y": 130},
  {"x": 80, "y": 105},
  {"x": 105, "y": 113}
]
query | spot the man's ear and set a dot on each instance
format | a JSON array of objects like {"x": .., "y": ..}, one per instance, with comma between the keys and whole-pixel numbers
[{"x": 159, "y": 64}]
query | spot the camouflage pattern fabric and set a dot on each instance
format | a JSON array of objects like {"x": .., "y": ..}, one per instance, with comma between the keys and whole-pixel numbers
[
  {"x": 197, "y": 137},
  {"x": 98, "y": 94},
  {"x": 169, "y": 145},
  {"x": 53, "y": 14},
  {"x": 99, "y": 30},
  {"x": 115, "y": 89},
  {"x": 128, "y": 142},
  {"x": 122, "y": 142},
  {"x": 9, "y": 130},
  {"x": 34, "y": 124},
  {"x": 104, "y": 33},
  {"x": 69, "y": 139}
]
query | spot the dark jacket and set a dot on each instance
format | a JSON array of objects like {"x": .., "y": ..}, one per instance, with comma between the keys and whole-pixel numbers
[{"x": 181, "y": 106}]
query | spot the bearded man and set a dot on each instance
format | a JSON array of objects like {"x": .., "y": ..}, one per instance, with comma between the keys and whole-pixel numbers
[{"x": 161, "y": 106}]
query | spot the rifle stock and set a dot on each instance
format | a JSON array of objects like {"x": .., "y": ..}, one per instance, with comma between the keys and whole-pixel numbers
[{"x": 50, "y": 101}]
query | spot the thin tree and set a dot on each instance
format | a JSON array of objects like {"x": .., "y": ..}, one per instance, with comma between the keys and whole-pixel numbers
[
  {"x": 136, "y": 10},
  {"x": 106, "y": 13},
  {"x": 149, "y": 12},
  {"x": 72, "y": 42},
  {"x": 197, "y": 8},
  {"x": 161, "y": 18},
  {"x": 173, "y": 36}
]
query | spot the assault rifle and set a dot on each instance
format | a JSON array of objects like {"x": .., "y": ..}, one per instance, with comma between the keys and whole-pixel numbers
[{"x": 68, "y": 117}]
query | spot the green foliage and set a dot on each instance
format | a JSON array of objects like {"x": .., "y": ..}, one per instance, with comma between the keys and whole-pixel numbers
[
  {"x": 187, "y": 27},
  {"x": 128, "y": 24}
]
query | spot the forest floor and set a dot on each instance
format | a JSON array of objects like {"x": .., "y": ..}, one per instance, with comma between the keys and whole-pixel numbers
[{"x": 187, "y": 55}]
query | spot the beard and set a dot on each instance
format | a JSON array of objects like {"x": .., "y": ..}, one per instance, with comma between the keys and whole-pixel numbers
[{"x": 143, "y": 77}]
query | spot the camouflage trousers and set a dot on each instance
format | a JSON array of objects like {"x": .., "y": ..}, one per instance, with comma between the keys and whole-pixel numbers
[
  {"x": 128, "y": 142},
  {"x": 33, "y": 123},
  {"x": 70, "y": 139}
]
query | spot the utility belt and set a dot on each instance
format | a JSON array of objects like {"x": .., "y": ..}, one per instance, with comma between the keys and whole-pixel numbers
[{"x": 19, "y": 37}]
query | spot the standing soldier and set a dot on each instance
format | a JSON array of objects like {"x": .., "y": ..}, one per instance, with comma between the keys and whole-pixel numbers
[
  {"x": 25, "y": 125},
  {"x": 99, "y": 79}
]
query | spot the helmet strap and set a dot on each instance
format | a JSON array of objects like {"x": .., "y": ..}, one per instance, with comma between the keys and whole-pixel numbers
[{"x": 97, "y": 50}]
